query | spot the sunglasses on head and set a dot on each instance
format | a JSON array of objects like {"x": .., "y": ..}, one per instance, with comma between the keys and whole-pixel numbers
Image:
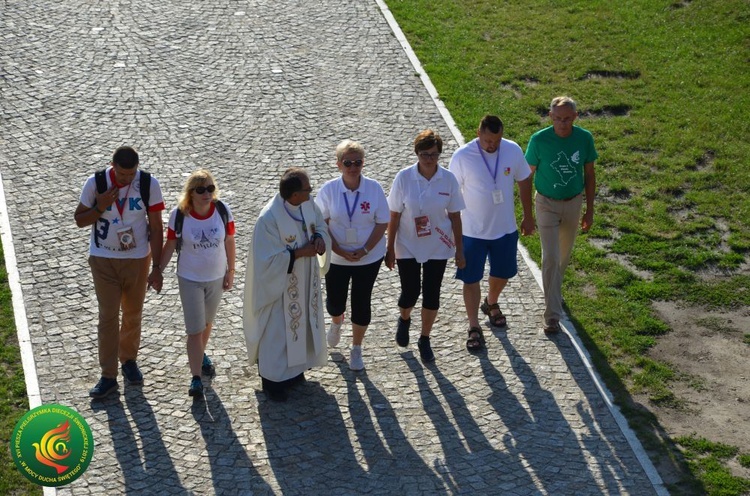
[
  {"x": 202, "y": 189},
  {"x": 349, "y": 163}
]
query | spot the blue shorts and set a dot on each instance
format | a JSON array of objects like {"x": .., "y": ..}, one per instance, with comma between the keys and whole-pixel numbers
[{"x": 501, "y": 251}]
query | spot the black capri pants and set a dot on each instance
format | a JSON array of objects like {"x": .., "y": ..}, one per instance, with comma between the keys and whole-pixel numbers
[
  {"x": 428, "y": 282},
  {"x": 337, "y": 289}
]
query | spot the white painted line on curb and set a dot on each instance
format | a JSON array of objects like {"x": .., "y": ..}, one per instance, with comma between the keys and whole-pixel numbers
[
  {"x": 635, "y": 444},
  {"x": 19, "y": 312},
  {"x": 19, "y": 309}
]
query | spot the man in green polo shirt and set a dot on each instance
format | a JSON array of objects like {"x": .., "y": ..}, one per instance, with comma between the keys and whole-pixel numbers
[{"x": 562, "y": 158}]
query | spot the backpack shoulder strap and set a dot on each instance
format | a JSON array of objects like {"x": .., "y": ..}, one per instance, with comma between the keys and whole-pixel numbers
[
  {"x": 145, "y": 184},
  {"x": 223, "y": 213},
  {"x": 178, "y": 221}
]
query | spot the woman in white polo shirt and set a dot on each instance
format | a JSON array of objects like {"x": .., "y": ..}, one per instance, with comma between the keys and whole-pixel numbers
[
  {"x": 356, "y": 210},
  {"x": 205, "y": 265},
  {"x": 424, "y": 231}
]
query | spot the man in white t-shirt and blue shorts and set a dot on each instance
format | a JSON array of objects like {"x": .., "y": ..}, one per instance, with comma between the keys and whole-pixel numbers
[{"x": 487, "y": 169}]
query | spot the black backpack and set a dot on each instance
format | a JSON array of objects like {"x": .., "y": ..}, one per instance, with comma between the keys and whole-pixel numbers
[
  {"x": 180, "y": 219},
  {"x": 101, "y": 186}
]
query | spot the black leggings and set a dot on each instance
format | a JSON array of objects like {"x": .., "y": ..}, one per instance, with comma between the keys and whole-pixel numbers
[
  {"x": 428, "y": 282},
  {"x": 337, "y": 289}
]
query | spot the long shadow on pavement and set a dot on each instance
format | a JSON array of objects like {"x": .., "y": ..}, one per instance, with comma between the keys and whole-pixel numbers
[
  {"x": 480, "y": 469},
  {"x": 615, "y": 475},
  {"x": 156, "y": 472},
  {"x": 308, "y": 445},
  {"x": 232, "y": 472},
  {"x": 542, "y": 436},
  {"x": 395, "y": 467}
]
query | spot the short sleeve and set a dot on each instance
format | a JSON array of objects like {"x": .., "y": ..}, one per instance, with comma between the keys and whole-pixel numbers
[
  {"x": 382, "y": 214},
  {"x": 396, "y": 196},
  {"x": 88, "y": 192}
]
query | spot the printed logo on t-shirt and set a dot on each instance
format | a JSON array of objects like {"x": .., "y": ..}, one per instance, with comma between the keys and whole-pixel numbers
[
  {"x": 133, "y": 204},
  {"x": 576, "y": 157},
  {"x": 564, "y": 169},
  {"x": 506, "y": 171},
  {"x": 105, "y": 225},
  {"x": 365, "y": 207},
  {"x": 205, "y": 240}
]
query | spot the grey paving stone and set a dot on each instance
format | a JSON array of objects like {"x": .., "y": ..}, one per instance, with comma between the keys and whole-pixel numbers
[{"x": 248, "y": 88}]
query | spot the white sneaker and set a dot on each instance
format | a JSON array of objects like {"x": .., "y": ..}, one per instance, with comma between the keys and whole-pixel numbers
[
  {"x": 355, "y": 359},
  {"x": 333, "y": 336}
]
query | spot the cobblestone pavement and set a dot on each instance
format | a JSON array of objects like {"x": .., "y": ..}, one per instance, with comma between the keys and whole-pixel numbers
[{"x": 248, "y": 88}]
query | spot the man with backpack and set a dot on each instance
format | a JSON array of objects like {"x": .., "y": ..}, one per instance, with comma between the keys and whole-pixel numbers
[{"x": 123, "y": 207}]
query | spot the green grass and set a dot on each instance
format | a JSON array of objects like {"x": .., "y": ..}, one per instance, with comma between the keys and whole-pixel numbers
[
  {"x": 708, "y": 459},
  {"x": 13, "y": 401},
  {"x": 662, "y": 85}
]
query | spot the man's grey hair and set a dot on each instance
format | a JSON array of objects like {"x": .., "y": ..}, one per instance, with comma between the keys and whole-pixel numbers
[{"x": 563, "y": 101}]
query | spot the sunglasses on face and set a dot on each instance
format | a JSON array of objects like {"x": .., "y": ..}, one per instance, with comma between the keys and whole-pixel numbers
[
  {"x": 202, "y": 189},
  {"x": 349, "y": 163},
  {"x": 429, "y": 155}
]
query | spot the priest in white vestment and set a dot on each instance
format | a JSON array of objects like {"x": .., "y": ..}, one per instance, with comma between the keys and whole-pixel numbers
[{"x": 283, "y": 313}]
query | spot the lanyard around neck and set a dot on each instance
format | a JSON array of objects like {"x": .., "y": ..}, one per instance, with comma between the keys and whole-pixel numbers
[
  {"x": 486, "y": 164},
  {"x": 121, "y": 206},
  {"x": 350, "y": 210},
  {"x": 301, "y": 219}
]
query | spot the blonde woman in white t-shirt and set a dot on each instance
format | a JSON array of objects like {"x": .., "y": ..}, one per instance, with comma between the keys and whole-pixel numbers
[
  {"x": 424, "y": 231},
  {"x": 205, "y": 265},
  {"x": 356, "y": 211}
]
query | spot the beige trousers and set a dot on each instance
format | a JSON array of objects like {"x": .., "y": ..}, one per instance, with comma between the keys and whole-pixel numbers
[
  {"x": 557, "y": 221},
  {"x": 119, "y": 284}
]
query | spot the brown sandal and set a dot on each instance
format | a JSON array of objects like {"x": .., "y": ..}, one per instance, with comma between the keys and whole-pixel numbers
[
  {"x": 497, "y": 320},
  {"x": 476, "y": 339}
]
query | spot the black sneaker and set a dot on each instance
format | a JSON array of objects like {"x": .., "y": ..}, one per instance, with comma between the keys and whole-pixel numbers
[
  {"x": 196, "y": 388},
  {"x": 103, "y": 388},
  {"x": 132, "y": 373},
  {"x": 402, "y": 332},
  {"x": 425, "y": 350},
  {"x": 207, "y": 367}
]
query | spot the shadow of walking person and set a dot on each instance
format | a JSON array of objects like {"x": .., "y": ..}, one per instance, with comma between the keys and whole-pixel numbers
[
  {"x": 232, "y": 472},
  {"x": 153, "y": 474},
  {"x": 540, "y": 433},
  {"x": 619, "y": 468},
  {"x": 307, "y": 444},
  {"x": 389, "y": 455},
  {"x": 472, "y": 463}
]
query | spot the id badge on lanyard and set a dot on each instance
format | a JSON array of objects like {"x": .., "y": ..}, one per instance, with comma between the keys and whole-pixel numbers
[{"x": 422, "y": 225}]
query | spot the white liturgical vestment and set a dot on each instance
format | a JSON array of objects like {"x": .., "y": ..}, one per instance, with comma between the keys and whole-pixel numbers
[{"x": 283, "y": 314}]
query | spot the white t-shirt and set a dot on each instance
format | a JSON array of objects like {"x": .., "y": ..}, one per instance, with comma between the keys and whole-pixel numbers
[
  {"x": 123, "y": 227},
  {"x": 489, "y": 215},
  {"x": 203, "y": 256},
  {"x": 424, "y": 231},
  {"x": 367, "y": 206}
]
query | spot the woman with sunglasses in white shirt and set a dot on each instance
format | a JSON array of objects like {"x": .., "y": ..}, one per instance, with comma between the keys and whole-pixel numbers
[
  {"x": 205, "y": 265},
  {"x": 356, "y": 210}
]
